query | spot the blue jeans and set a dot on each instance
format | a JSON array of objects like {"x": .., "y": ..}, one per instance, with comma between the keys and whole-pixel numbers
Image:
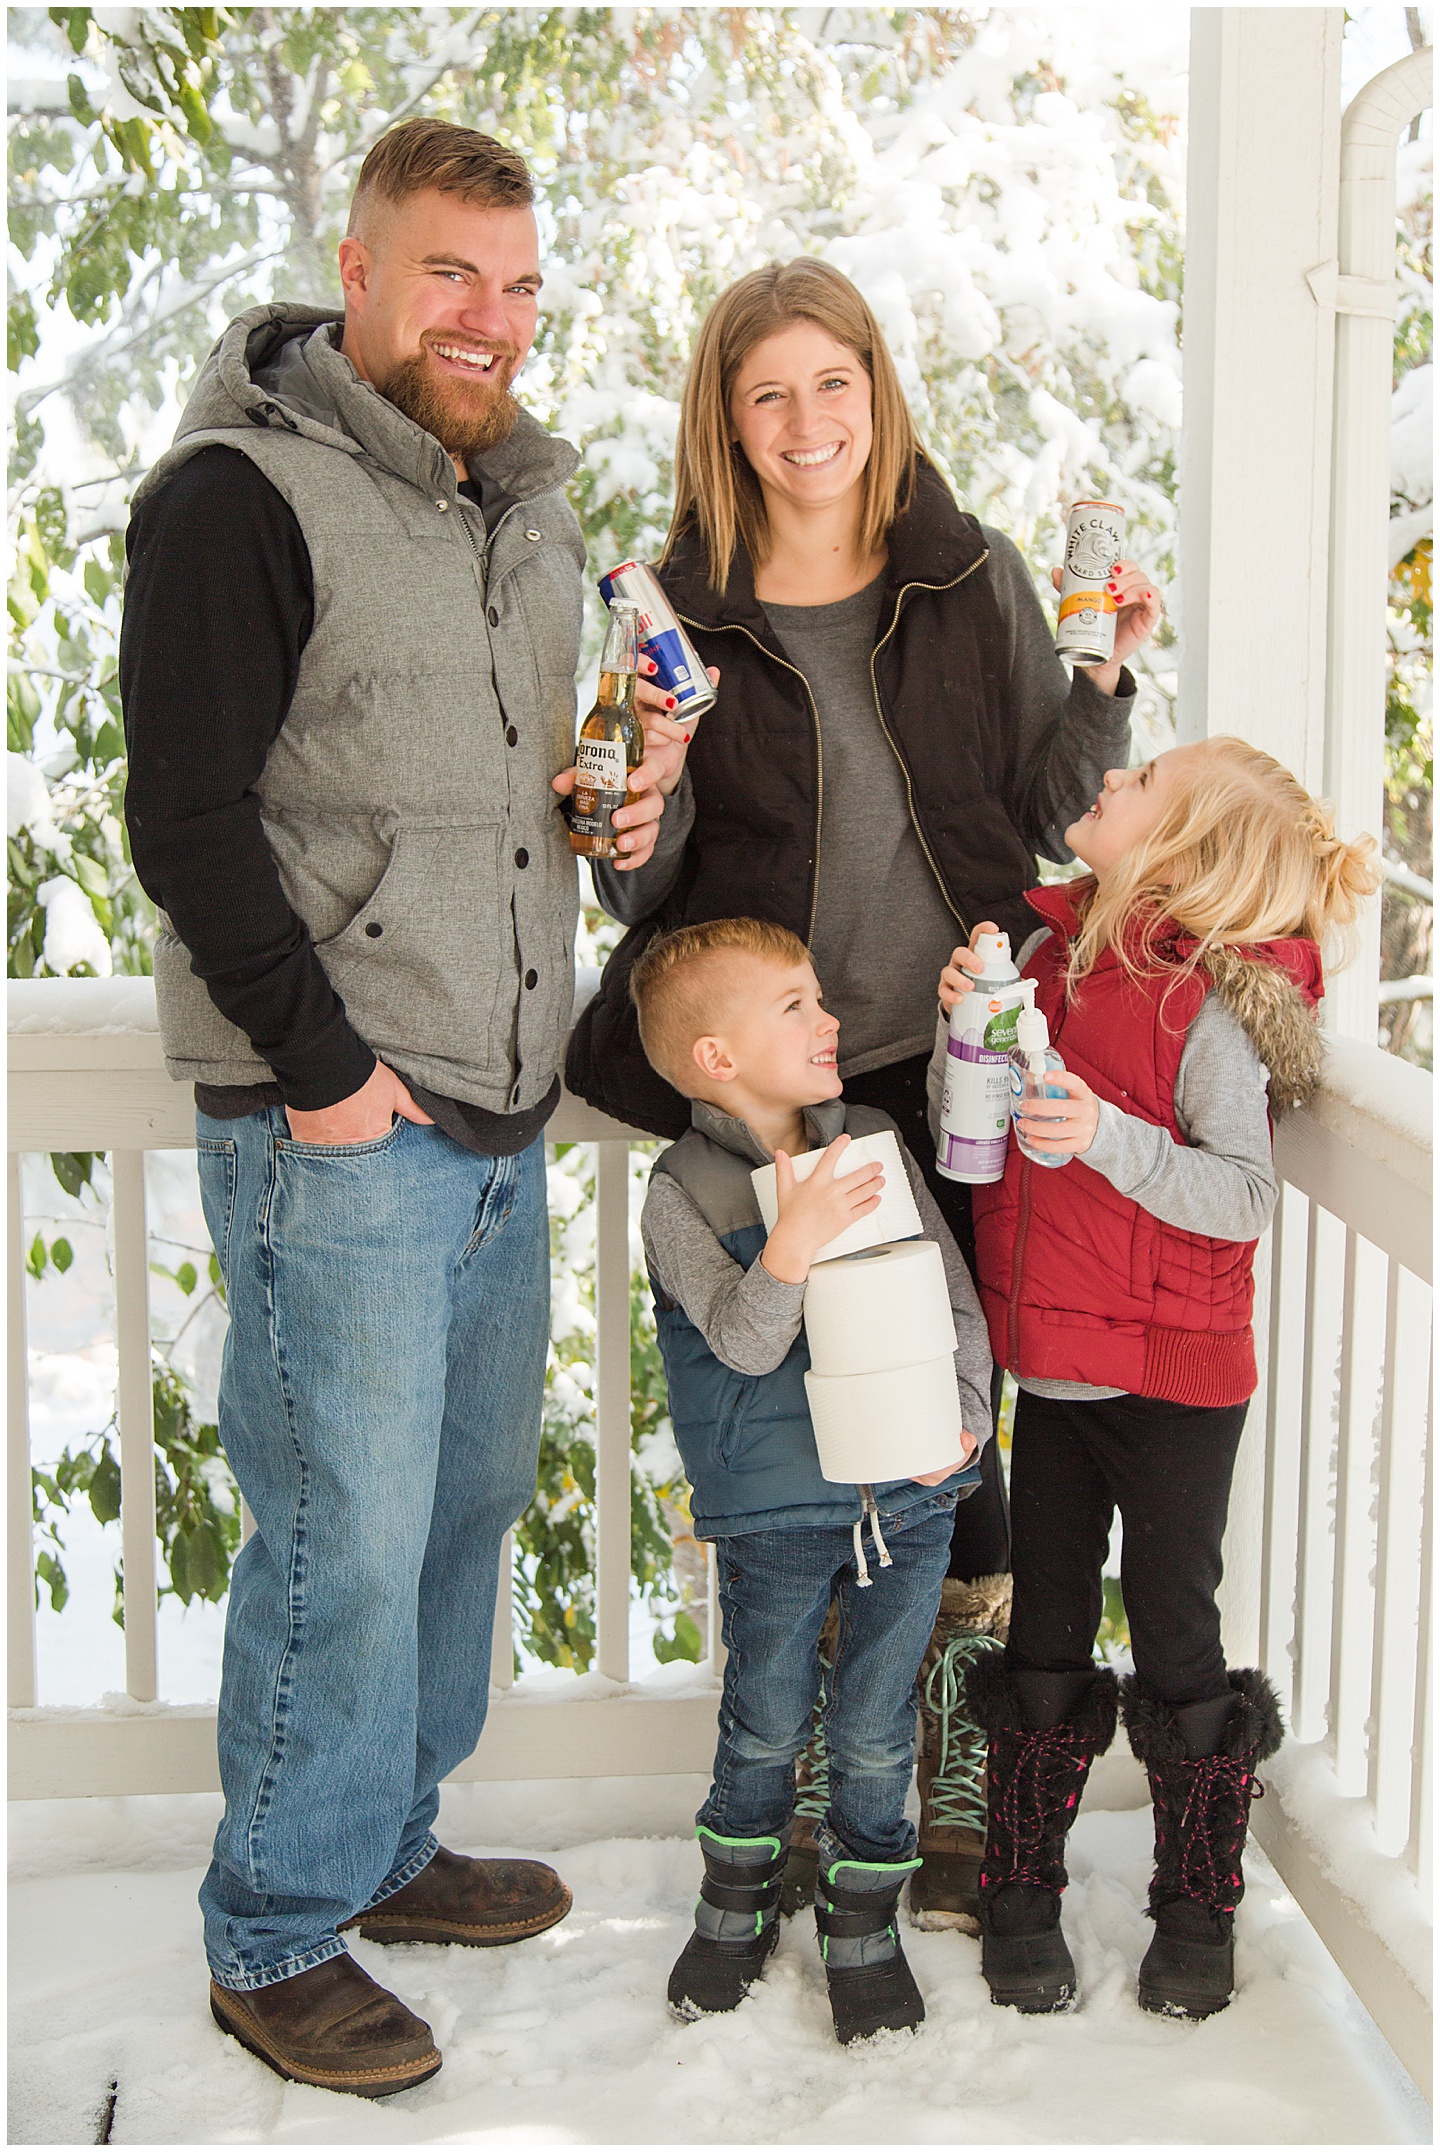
[
  {"x": 775, "y": 1591},
  {"x": 380, "y": 1402}
]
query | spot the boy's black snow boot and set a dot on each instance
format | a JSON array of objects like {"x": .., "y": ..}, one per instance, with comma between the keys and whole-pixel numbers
[
  {"x": 1045, "y": 1730},
  {"x": 872, "y": 1989},
  {"x": 736, "y": 1924},
  {"x": 1200, "y": 1760}
]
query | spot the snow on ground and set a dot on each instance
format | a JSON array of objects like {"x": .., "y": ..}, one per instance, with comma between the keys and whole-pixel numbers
[{"x": 565, "y": 2040}]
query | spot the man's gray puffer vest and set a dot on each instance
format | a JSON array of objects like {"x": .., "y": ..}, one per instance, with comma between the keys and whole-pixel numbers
[
  {"x": 416, "y": 836},
  {"x": 746, "y": 1440}
]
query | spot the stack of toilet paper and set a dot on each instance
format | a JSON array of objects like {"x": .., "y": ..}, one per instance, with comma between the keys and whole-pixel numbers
[{"x": 883, "y": 1395}]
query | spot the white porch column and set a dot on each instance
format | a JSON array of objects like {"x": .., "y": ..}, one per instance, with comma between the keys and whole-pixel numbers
[
  {"x": 1363, "y": 290},
  {"x": 1262, "y": 192}
]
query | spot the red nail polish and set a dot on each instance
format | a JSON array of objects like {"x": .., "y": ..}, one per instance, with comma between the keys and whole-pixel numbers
[
  {"x": 669, "y": 702},
  {"x": 687, "y": 739}
]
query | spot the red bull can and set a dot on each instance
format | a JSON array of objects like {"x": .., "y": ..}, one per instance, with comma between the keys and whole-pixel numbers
[{"x": 678, "y": 669}]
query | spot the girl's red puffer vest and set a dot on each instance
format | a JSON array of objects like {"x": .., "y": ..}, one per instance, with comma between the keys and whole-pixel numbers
[{"x": 1080, "y": 1283}]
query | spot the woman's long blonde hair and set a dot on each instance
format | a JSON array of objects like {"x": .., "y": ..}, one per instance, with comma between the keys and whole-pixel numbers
[
  {"x": 715, "y": 488},
  {"x": 1240, "y": 854}
]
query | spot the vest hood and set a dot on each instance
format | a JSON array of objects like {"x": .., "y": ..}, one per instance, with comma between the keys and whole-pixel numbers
[
  {"x": 281, "y": 366},
  {"x": 1270, "y": 988}
]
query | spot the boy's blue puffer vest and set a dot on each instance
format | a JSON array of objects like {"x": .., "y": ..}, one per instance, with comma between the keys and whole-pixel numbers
[{"x": 746, "y": 1440}]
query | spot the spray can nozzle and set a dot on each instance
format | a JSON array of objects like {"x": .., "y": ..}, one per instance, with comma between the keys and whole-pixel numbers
[{"x": 1032, "y": 1033}]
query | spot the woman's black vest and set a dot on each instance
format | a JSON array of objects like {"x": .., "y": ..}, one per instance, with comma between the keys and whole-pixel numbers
[{"x": 940, "y": 671}]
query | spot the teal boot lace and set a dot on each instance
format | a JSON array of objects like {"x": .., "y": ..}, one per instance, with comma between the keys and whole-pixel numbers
[{"x": 957, "y": 1791}]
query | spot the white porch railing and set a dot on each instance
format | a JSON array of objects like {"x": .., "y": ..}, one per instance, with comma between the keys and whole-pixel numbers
[{"x": 1328, "y": 1562}]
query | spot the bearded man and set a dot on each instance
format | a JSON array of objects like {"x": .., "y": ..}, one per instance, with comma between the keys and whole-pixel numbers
[{"x": 351, "y": 634}]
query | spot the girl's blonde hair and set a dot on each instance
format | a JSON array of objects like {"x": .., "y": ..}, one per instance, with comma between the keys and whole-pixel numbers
[
  {"x": 715, "y": 488},
  {"x": 1240, "y": 854}
]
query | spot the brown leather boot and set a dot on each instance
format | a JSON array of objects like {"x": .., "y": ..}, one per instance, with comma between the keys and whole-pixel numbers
[
  {"x": 458, "y": 1900},
  {"x": 974, "y": 1617},
  {"x": 333, "y": 2026}
]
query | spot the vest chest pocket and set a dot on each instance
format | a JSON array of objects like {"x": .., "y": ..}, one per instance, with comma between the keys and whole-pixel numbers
[{"x": 422, "y": 964}]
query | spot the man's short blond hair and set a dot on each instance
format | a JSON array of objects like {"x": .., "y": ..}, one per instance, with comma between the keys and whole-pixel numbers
[
  {"x": 677, "y": 995},
  {"x": 421, "y": 153}
]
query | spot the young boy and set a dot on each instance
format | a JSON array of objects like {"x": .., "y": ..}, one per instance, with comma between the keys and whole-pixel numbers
[{"x": 731, "y": 1015}]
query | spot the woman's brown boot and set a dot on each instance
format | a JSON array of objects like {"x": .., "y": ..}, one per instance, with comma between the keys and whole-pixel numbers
[{"x": 974, "y": 1618}]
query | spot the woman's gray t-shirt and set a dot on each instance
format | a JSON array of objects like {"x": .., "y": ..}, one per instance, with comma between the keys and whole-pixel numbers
[{"x": 883, "y": 930}]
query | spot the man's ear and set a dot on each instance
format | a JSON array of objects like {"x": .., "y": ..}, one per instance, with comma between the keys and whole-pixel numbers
[
  {"x": 354, "y": 258},
  {"x": 712, "y": 1057}
]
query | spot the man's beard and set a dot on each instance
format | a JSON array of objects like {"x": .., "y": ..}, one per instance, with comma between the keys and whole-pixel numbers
[{"x": 465, "y": 420}]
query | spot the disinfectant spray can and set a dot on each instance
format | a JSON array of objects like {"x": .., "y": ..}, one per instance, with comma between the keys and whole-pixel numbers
[
  {"x": 975, "y": 1108},
  {"x": 1094, "y": 542},
  {"x": 678, "y": 669}
]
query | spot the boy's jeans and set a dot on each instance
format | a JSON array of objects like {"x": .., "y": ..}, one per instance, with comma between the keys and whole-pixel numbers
[
  {"x": 775, "y": 1591},
  {"x": 380, "y": 1403}
]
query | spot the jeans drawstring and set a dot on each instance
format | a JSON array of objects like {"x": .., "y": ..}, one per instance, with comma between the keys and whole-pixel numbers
[{"x": 868, "y": 1509}]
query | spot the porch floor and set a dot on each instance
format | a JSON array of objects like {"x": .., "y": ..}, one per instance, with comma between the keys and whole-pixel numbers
[{"x": 565, "y": 2040}]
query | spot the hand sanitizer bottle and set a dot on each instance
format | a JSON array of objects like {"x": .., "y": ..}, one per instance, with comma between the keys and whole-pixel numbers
[{"x": 1032, "y": 1057}]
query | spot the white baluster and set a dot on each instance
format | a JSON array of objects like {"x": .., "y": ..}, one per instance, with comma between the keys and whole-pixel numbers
[
  {"x": 1324, "y": 1274},
  {"x": 612, "y": 1409},
  {"x": 1398, "y": 1556},
  {"x": 1284, "y": 1390},
  {"x": 1352, "y": 1634},
  {"x": 1419, "y": 1850},
  {"x": 137, "y": 1421},
  {"x": 502, "y": 1640},
  {"x": 20, "y": 1651}
]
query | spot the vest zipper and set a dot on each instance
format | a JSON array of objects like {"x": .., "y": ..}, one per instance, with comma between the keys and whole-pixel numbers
[
  {"x": 734, "y": 628},
  {"x": 901, "y": 596},
  {"x": 1022, "y": 1228}
]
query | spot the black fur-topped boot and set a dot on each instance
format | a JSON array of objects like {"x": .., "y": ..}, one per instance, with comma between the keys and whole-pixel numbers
[
  {"x": 1200, "y": 1760},
  {"x": 1045, "y": 1731},
  {"x": 736, "y": 1924}
]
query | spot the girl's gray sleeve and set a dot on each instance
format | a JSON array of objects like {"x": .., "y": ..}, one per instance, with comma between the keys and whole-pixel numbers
[
  {"x": 972, "y": 1339},
  {"x": 633, "y": 896},
  {"x": 747, "y": 1318},
  {"x": 1221, "y": 1181},
  {"x": 1068, "y": 732}
]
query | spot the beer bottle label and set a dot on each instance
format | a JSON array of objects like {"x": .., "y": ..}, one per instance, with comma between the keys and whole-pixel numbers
[{"x": 600, "y": 788}]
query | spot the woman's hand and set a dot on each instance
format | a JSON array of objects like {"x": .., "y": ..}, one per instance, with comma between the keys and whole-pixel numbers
[
  {"x": 963, "y": 965},
  {"x": 1138, "y": 613},
  {"x": 813, "y": 1212},
  {"x": 639, "y": 822},
  {"x": 667, "y": 729},
  {"x": 1068, "y": 1124}
]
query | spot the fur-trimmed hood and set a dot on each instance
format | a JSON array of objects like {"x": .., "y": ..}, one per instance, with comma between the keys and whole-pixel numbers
[{"x": 1270, "y": 988}]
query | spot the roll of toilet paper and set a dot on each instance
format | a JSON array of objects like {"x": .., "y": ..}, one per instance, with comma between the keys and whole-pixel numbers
[
  {"x": 896, "y": 1218},
  {"x": 889, "y": 1426},
  {"x": 889, "y": 1307}
]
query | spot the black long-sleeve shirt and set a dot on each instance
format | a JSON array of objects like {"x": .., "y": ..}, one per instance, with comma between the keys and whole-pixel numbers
[{"x": 219, "y": 605}]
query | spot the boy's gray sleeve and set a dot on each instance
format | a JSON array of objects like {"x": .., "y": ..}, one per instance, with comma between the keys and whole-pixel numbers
[
  {"x": 1221, "y": 1181},
  {"x": 633, "y": 896},
  {"x": 1068, "y": 732},
  {"x": 972, "y": 1340},
  {"x": 747, "y": 1318}
]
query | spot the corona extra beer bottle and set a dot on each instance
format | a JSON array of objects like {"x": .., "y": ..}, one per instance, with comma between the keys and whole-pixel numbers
[{"x": 611, "y": 743}]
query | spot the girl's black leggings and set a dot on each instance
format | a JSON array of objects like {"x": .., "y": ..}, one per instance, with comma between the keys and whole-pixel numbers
[{"x": 1167, "y": 1469}]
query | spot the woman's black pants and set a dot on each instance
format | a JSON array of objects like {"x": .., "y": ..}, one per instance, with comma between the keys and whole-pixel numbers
[
  {"x": 981, "y": 1543},
  {"x": 1167, "y": 1468}
]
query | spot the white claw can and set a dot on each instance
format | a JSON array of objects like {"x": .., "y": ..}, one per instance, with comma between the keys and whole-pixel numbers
[{"x": 1094, "y": 542}]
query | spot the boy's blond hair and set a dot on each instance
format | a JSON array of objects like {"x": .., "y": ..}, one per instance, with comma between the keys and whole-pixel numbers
[
  {"x": 1240, "y": 854},
  {"x": 679, "y": 996}
]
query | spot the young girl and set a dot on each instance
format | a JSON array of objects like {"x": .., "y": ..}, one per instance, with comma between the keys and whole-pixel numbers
[{"x": 1179, "y": 979}]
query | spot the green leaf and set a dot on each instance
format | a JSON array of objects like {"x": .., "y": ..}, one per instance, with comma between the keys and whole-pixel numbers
[
  {"x": 72, "y": 1169},
  {"x": 91, "y": 875},
  {"x": 35, "y": 1260},
  {"x": 186, "y": 1277},
  {"x": 49, "y": 1572},
  {"x": 685, "y": 1643},
  {"x": 98, "y": 580},
  {"x": 80, "y": 103},
  {"x": 62, "y": 1255},
  {"x": 105, "y": 1486}
]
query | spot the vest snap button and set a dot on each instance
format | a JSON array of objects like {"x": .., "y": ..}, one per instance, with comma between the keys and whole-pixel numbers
[
  {"x": 442, "y": 506},
  {"x": 374, "y": 930},
  {"x": 533, "y": 536},
  {"x": 522, "y": 857},
  {"x": 494, "y": 618},
  {"x": 511, "y": 736}
]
